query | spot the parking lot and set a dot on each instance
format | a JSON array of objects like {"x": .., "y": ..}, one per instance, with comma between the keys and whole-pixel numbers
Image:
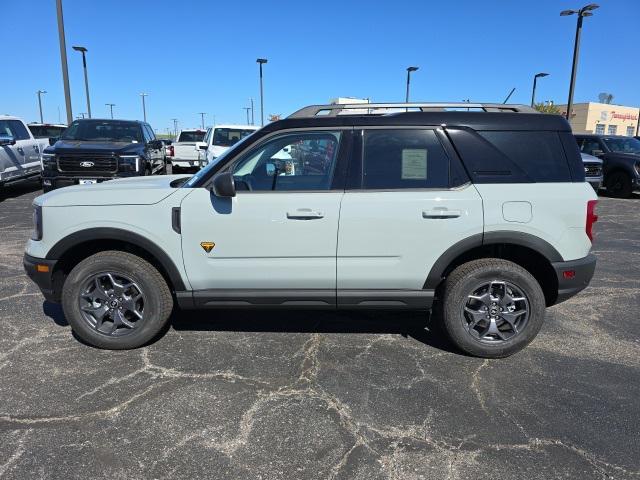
[{"x": 269, "y": 394}]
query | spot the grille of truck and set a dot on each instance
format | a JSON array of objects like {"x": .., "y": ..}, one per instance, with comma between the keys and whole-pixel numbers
[
  {"x": 87, "y": 163},
  {"x": 592, "y": 169}
]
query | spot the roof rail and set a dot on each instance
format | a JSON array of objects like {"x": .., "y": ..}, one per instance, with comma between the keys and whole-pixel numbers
[{"x": 333, "y": 110}]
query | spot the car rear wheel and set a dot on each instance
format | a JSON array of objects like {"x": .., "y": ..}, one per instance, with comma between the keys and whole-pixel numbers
[
  {"x": 492, "y": 308},
  {"x": 116, "y": 300},
  {"x": 619, "y": 185}
]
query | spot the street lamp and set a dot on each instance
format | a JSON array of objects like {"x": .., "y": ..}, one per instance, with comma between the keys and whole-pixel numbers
[
  {"x": 86, "y": 78},
  {"x": 583, "y": 12},
  {"x": 175, "y": 126},
  {"x": 247, "y": 109},
  {"x": 409, "y": 70},
  {"x": 261, "y": 61},
  {"x": 63, "y": 61},
  {"x": 202, "y": 114},
  {"x": 144, "y": 107},
  {"x": 535, "y": 81},
  {"x": 39, "y": 92},
  {"x": 111, "y": 105}
]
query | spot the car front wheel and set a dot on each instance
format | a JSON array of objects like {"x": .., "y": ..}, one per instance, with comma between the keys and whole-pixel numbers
[
  {"x": 492, "y": 308},
  {"x": 619, "y": 185},
  {"x": 116, "y": 300}
]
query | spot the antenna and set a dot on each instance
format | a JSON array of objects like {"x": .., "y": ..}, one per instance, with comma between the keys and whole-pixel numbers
[{"x": 509, "y": 96}]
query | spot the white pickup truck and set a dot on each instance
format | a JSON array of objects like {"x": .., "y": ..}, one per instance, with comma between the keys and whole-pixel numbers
[
  {"x": 186, "y": 150},
  {"x": 219, "y": 138},
  {"x": 19, "y": 151},
  {"x": 46, "y": 133}
]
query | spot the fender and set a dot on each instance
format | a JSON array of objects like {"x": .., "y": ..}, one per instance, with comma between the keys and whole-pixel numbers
[
  {"x": 490, "y": 238},
  {"x": 90, "y": 234}
]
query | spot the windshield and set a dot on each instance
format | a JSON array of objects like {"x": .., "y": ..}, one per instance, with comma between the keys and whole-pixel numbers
[
  {"x": 225, "y": 137},
  {"x": 191, "y": 136},
  {"x": 623, "y": 145},
  {"x": 103, "y": 131},
  {"x": 46, "y": 131},
  {"x": 203, "y": 173}
]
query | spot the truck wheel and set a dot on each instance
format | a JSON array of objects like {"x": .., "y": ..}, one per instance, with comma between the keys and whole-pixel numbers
[
  {"x": 116, "y": 300},
  {"x": 492, "y": 308},
  {"x": 619, "y": 185}
]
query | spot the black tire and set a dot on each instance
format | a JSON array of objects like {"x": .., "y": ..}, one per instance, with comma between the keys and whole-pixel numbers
[
  {"x": 158, "y": 302},
  {"x": 175, "y": 169},
  {"x": 463, "y": 281},
  {"x": 619, "y": 184}
]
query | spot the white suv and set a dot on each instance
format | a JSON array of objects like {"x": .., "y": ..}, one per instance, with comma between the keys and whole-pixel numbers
[{"x": 483, "y": 215}]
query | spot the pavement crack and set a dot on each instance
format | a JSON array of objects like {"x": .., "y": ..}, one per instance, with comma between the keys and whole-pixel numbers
[{"x": 15, "y": 456}]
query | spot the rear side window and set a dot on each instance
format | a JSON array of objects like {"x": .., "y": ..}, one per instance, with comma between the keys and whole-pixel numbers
[
  {"x": 15, "y": 129},
  {"x": 539, "y": 155},
  {"x": 399, "y": 159}
]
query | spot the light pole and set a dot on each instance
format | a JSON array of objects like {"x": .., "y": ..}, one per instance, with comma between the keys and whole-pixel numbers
[
  {"x": 111, "y": 105},
  {"x": 535, "y": 81},
  {"x": 409, "y": 70},
  {"x": 202, "y": 114},
  {"x": 248, "y": 109},
  {"x": 63, "y": 61},
  {"x": 86, "y": 78},
  {"x": 583, "y": 12},
  {"x": 261, "y": 61},
  {"x": 144, "y": 107},
  {"x": 40, "y": 92},
  {"x": 252, "y": 120},
  {"x": 175, "y": 126}
]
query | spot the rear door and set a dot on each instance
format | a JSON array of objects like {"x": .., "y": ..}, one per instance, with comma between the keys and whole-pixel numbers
[
  {"x": 275, "y": 241},
  {"x": 408, "y": 203}
]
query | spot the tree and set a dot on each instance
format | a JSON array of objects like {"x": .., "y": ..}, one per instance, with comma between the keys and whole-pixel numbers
[
  {"x": 547, "y": 108},
  {"x": 605, "y": 97}
]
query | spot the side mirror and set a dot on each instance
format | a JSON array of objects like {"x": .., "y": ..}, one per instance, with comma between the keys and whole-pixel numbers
[
  {"x": 203, "y": 147},
  {"x": 271, "y": 169},
  {"x": 53, "y": 140},
  {"x": 7, "y": 140},
  {"x": 223, "y": 185}
]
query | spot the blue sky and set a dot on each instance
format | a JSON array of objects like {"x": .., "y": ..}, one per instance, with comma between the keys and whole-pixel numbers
[{"x": 199, "y": 56}]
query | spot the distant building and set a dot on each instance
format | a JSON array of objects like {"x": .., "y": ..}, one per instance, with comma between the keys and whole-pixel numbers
[{"x": 603, "y": 118}]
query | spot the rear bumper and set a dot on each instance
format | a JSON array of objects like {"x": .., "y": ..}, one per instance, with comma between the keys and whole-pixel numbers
[
  {"x": 573, "y": 276},
  {"x": 43, "y": 279}
]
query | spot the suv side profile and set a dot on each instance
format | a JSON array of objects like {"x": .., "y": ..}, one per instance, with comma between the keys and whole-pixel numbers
[
  {"x": 483, "y": 216},
  {"x": 621, "y": 161},
  {"x": 95, "y": 150}
]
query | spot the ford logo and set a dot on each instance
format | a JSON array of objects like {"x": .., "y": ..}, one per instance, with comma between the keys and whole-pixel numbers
[{"x": 87, "y": 164}]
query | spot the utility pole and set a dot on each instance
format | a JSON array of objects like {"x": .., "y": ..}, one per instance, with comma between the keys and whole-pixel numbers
[
  {"x": 63, "y": 60},
  {"x": 202, "y": 114},
  {"x": 111, "y": 105},
  {"x": 39, "y": 92},
  {"x": 252, "y": 120},
  {"x": 175, "y": 126},
  {"x": 261, "y": 61},
  {"x": 144, "y": 107},
  {"x": 248, "y": 109}
]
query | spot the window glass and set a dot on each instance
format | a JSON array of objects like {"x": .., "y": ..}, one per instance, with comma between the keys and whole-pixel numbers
[
  {"x": 301, "y": 161},
  {"x": 225, "y": 137},
  {"x": 612, "y": 130},
  {"x": 631, "y": 131},
  {"x": 600, "y": 129},
  {"x": 15, "y": 129},
  {"x": 152, "y": 136},
  {"x": 404, "y": 159},
  {"x": 590, "y": 145},
  {"x": 539, "y": 154},
  {"x": 623, "y": 145},
  {"x": 104, "y": 131},
  {"x": 46, "y": 131},
  {"x": 193, "y": 136}
]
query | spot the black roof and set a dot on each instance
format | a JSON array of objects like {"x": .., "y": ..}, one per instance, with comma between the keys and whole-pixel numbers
[
  {"x": 109, "y": 120},
  {"x": 474, "y": 120}
]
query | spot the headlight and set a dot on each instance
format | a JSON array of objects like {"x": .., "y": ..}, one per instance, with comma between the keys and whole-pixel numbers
[
  {"x": 36, "y": 234},
  {"x": 48, "y": 160},
  {"x": 129, "y": 163}
]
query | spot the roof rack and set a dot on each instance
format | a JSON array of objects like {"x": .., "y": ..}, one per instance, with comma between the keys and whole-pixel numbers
[{"x": 333, "y": 110}]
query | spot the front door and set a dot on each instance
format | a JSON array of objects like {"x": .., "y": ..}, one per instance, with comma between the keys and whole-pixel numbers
[
  {"x": 275, "y": 241},
  {"x": 21, "y": 158},
  {"x": 409, "y": 206}
]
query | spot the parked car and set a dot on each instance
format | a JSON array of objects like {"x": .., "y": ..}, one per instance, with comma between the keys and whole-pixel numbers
[
  {"x": 46, "y": 133},
  {"x": 167, "y": 149},
  {"x": 592, "y": 170},
  {"x": 186, "y": 150},
  {"x": 484, "y": 217},
  {"x": 19, "y": 151},
  {"x": 621, "y": 161},
  {"x": 93, "y": 150},
  {"x": 220, "y": 137}
]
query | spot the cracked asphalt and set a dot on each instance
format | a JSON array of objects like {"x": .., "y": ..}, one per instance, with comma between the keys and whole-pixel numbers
[{"x": 309, "y": 395}]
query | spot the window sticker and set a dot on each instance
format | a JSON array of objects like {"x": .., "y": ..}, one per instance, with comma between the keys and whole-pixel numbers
[{"x": 414, "y": 164}]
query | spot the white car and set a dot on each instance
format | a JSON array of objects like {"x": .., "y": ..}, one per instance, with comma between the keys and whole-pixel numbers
[
  {"x": 20, "y": 152},
  {"x": 46, "y": 133},
  {"x": 186, "y": 152},
  {"x": 219, "y": 138}
]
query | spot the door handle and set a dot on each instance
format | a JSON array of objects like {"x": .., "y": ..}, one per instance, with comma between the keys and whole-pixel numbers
[
  {"x": 304, "y": 214},
  {"x": 441, "y": 213}
]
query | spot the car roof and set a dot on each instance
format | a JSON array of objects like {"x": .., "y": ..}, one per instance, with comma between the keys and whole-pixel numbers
[
  {"x": 141, "y": 122},
  {"x": 240, "y": 127},
  {"x": 473, "y": 120}
]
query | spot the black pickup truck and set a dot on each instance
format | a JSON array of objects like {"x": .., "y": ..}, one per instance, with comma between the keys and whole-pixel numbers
[{"x": 93, "y": 150}]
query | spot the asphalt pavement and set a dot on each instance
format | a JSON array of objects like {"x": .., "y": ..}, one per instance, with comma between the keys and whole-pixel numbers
[{"x": 309, "y": 395}]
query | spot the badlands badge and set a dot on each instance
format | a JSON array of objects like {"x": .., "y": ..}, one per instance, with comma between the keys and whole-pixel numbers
[{"x": 207, "y": 246}]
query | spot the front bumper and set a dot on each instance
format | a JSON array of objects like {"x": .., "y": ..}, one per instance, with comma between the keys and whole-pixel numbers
[
  {"x": 41, "y": 270},
  {"x": 573, "y": 276},
  {"x": 595, "y": 182},
  {"x": 51, "y": 182}
]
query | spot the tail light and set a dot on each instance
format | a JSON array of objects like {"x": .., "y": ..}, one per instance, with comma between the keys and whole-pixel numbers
[
  {"x": 170, "y": 151},
  {"x": 591, "y": 218}
]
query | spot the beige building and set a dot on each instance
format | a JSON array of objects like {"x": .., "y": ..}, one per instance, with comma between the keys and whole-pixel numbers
[{"x": 603, "y": 118}]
